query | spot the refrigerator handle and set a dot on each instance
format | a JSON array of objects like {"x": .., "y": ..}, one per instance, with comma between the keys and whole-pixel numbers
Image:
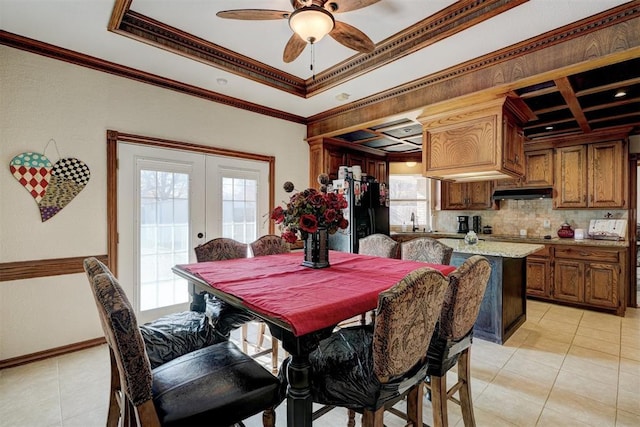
[{"x": 372, "y": 220}]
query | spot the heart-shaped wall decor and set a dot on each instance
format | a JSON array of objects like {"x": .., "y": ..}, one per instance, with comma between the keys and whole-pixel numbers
[
  {"x": 33, "y": 171},
  {"x": 52, "y": 187}
]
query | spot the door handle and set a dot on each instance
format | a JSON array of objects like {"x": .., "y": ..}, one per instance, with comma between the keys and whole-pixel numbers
[{"x": 200, "y": 235}]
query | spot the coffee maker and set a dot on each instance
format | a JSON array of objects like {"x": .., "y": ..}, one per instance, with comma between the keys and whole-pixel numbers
[
  {"x": 463, "y": 224},
  {"x": 477, "y": 224}
]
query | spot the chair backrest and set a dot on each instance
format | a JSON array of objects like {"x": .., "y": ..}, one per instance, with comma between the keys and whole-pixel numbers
[
  {"x": 426, "y": 249},
  {"x": 407, "y": 314},
  {"x": 462, "y": 301},
  {"x": 378, "y": 245},
  {"x": 219, "y": 249},
  {"x": 121, "y": 332},
  {"x": 269, "y": 244}
]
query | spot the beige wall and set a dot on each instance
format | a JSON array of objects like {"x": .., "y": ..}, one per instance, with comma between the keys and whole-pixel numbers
[{"x": 43, "y": 99}]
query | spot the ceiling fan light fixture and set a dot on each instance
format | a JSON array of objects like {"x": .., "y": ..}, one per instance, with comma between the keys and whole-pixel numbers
[{"x": 311, "y": 23}]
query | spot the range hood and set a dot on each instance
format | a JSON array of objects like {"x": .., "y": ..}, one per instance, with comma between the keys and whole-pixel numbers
[{"x": 523, "y": 193}]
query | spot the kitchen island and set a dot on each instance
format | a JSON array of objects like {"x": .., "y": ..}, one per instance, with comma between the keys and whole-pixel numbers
[{"x": 504, "y": 306}]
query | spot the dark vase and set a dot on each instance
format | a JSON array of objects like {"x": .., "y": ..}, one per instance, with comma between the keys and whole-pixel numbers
[
  {"x": 316, "y": 249},
  {"x": 565, "y": 231}
]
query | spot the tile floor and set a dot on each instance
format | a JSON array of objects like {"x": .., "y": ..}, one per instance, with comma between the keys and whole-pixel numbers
[{"x": 563, "y": 367}]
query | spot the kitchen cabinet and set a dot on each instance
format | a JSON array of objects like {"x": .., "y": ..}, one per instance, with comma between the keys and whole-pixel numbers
[
  {"x": 539, "y": 273},
  {"x": 466, "y": 196},
  {"x": 589, "y": 276},
  {"x": 476, "y": 142},
  {"x": 591, "y": 176},
  {"x": 538, "y": 171},
  {"x": 325, "y": 157}
]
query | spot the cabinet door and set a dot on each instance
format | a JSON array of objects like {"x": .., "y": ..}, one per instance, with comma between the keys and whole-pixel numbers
[
  {"x": 381, "y": 171},
  {"x": 454, "y": 196},
  {"x": 538, "y": 168},
  {"x": 356, "y": 159},
  {"x": 334, "y": 159},
  {"x": 538, "y": 276},
  {"x": 512, "y": 146},
  {"x": 607, "y": 175},
  {"x": 601, "y": 284},
  {"x": 479, "y": 195},
  {"x": 568, "y": 280},
  {"x": 571, "y": 177}
]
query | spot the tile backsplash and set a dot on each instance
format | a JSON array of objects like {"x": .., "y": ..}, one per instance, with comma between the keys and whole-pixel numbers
[{"x": 516, "y": 215}]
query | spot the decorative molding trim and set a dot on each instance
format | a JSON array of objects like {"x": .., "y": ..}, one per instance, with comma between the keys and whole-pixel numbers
[
  {"x": 518, "y": 63},
  {"x": 20, "y": 270},
  {"x": 55, "y": 52},
  {"x": 46, "y": 354},
  {"x": 451, "y": 20}
]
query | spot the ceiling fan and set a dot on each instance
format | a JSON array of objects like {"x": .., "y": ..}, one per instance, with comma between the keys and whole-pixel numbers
[{"x": 310, "y": 21}]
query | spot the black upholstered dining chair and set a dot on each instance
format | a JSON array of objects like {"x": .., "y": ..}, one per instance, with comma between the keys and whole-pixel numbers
[
  {"x": 451, "y": 341},
  {"x": 217, "y": 385},
  {"x": 426, "y": 249},
  {"x": 369, "y": 368}
]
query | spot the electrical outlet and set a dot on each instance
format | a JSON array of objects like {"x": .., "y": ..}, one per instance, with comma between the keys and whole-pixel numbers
[{"x": 547, "y": 223}]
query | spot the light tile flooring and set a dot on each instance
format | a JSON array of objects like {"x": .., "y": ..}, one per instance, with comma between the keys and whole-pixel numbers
[{"x": 563, "y": 367}]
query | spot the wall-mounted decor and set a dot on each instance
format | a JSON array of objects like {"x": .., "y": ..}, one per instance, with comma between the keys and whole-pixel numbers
[{"x": 53, "y": 186}]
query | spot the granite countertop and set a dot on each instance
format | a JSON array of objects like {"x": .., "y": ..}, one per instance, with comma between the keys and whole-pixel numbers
[
  {"x": 518, "y": 239},
  {"x": 493, "y": 248}
]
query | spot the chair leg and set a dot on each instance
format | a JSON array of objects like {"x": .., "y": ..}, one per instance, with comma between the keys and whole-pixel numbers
[
  {"x": 439, "y": 400},
  {"x": 269, "y": 418},
  {"x": 244, "y": 338},
  {"x": 414, "y": 406},
  {"x": 114, "y": 407},
  {"x": 373, "y": 419},
  {"x": 351, "y": 420},
  {"x": 464, "y": 376},
  {"x": 261, "y": 329},
  {"x": 274, "y": 355}
]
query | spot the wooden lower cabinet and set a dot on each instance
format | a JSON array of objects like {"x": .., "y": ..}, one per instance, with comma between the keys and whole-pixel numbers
[
  {"x": 590, "y": 277},
  {"x": 539, "y": 273}
]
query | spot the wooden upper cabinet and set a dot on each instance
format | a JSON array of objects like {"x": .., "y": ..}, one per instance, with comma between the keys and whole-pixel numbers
[
  {"x": 607, "y": 175},
  {"x": 466, "y": 196},
  {"x": 538, "y": 171},
  {"x": 478, "y": 142},
  {"x": 571, "y": 177},
  {"x": 591, "y": 176}
]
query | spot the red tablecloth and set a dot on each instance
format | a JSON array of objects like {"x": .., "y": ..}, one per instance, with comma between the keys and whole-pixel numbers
[{"x": 307, "y": 299}]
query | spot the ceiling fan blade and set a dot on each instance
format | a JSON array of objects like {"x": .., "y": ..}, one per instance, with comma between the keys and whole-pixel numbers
[
  {"x": 339, "y": 6},
  {"x": 294, "y": 48},
  {"x": 352, "y": 37},
  {"x": 253, "y": 14}
]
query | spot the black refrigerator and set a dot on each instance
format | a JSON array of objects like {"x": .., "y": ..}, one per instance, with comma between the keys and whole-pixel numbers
[{"x": 367, "y": 212}]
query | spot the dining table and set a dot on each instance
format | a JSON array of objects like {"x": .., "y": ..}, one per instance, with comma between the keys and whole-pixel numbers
[{"x": 300, "y": 305}]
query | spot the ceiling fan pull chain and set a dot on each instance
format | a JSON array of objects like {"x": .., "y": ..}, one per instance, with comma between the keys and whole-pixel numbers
[{"x": 313, "y": 60}]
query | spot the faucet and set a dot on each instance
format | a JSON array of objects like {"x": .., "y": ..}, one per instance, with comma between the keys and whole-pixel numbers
[{"x": 413, "y": 221}]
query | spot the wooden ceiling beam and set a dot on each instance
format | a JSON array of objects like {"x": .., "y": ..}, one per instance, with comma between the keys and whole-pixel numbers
[{"x": 564, "y": 86}]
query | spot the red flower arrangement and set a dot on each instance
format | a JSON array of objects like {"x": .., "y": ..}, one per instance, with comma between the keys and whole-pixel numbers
[{"x": 310, "y": 209}]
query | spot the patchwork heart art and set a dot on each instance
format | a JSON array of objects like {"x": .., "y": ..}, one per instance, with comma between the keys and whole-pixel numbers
[{"x": 52, "y": 186}]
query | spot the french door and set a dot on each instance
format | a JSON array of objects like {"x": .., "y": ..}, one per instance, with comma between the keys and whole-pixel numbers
[{"x": 169, "y": 201}]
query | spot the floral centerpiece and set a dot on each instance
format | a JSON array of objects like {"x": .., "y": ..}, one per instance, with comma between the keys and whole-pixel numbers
[
  {"x": 311, "y": 215},
  {"x": 309, "y": 210}
]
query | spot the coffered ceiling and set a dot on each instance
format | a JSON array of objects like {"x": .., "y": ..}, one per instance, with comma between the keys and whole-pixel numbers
[{"x": 184, "y": 46}]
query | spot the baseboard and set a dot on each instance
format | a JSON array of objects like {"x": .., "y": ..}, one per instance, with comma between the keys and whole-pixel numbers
[{"x": 46, "y": 354}]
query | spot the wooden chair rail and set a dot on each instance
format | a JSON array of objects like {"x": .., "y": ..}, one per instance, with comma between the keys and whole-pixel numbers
[{"x": 20, "y": 270}]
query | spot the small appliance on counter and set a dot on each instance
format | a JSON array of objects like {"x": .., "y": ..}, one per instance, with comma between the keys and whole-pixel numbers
[
  {"x": 487, "y": 229},
  {"x": 477, "y": 224},
  {"x": 463, "y": 224},
  {"x": 608, "y": 229}
]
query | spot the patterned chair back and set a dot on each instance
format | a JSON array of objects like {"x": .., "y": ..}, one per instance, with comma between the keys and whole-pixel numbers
[
  {"x": 462, "y": 301},
  {"x": 269, "y": 244},
  {"x": 121, "y": 332},
  {"x": 407, "y": 314},
  {"x": 379, "y": 245},
  {"x": 426, "y": 249},
  {"x": 220, "y": 249}
]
